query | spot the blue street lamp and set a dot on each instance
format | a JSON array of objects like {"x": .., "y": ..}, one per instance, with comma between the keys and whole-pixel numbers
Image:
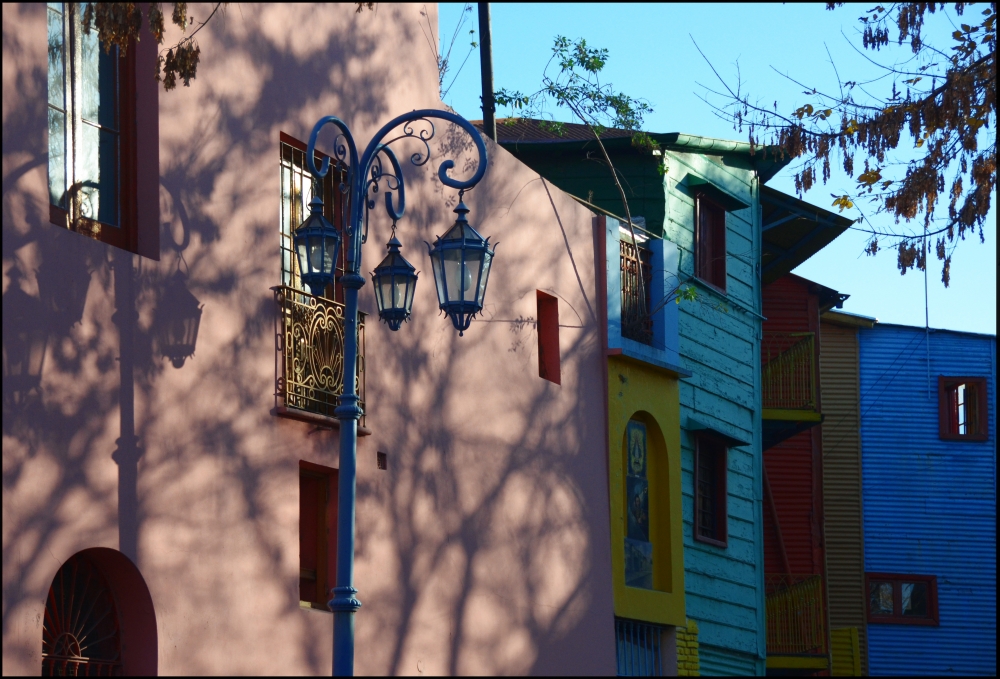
[{"x": 462, "y": 257}]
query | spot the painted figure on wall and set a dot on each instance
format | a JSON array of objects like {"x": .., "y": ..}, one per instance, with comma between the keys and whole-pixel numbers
[{"x": 638, "y": 548}]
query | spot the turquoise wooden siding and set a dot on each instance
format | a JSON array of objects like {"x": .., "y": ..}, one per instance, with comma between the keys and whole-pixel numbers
[{"x": 719, "y": 344}]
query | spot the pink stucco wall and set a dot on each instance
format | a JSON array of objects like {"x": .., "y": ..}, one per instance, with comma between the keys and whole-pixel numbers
[{"x": 485, "y": 546}]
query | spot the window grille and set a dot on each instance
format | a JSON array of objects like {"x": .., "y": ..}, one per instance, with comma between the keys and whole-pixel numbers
[
  {"x": 637, "y": 322},
  {"x": 637, "y": 646},
  {"x": 297, "y": 188}
]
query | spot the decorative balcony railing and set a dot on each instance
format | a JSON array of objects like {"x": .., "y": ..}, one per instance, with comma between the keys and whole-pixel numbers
[
  {"x": 789, "y": 372},
  {"x": 309, "y": 343},
  {"x": 796, "y": 618},
  {"x": 637, "y": 323}
]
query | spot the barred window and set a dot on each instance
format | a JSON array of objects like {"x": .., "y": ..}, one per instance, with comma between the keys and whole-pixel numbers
[{"x": 297, "y": 188}]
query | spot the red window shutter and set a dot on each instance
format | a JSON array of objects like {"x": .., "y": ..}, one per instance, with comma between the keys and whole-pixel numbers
[
  {"x": 710, "y": 243},
  {"x": 310, "y": 496},
  {"x": 548, "y": 337}
]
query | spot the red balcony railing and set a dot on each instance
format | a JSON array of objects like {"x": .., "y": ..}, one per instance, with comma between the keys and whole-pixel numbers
[
  {"x": 796, "y": 617},
  {"x": 789, "y": 372}
]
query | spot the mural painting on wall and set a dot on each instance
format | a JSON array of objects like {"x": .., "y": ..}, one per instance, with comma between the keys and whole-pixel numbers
[{"x": 638, "y": 548}]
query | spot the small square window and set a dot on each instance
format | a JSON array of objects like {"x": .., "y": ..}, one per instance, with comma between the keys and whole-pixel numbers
[
  {"x": 902, "y": 599},
  {"x": 710, "y": 472},
  {"x": 963, "y": 408}
]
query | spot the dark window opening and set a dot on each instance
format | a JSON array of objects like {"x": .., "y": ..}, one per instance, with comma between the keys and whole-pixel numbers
[
  {"x": 962, "y": 404},
  {"x": 710, "y": 242},
  {"x": 902, "y": 599},
  {"x": 638, "y": 648},
  {"x": 711, "y": 521},
  {"x": 637, "y": 321},
  {"x": 382, "y": 460},
  {"x": 548, "y": 337},
  {"x": 317, "y": 534}
]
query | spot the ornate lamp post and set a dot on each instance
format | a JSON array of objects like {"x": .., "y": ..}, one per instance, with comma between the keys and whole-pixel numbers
[{"x": 462, "y": 257}]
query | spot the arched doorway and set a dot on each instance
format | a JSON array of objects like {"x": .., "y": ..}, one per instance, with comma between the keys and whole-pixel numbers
[
  {"x": 82, "y": 632},
  {"x": 99, "y": 618}
]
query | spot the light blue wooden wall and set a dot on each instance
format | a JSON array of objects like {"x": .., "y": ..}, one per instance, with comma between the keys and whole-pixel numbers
[{"x": 720, "y": 344}]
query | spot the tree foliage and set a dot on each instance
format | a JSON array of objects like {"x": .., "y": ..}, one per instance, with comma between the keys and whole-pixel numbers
[
  {"x": 942, "y": 100},
  {"x": 572, "y": 80},
  {"x": 120, "y": 23}
]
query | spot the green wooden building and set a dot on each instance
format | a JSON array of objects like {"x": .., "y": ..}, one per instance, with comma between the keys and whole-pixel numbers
[{"x": 705, "y": 197}]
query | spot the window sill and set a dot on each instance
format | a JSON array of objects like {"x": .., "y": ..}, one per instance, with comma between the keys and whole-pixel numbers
[
  {"x": 711, "y": 541},
  {"x": 313, "y": 606},
  {"x": 879, "y": 620},
  {"x": 313, "y": 418},
  {"x": 964, "y": 437}
]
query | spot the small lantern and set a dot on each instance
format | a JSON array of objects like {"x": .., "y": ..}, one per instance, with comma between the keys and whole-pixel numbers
[
  {"x": 178, "y": 318},
  {"x": 394, "y": 281},
  {"x": 24, "y": 342},
  {"x": 461, "y": 262},
  {"x": 317, "y": 245}
]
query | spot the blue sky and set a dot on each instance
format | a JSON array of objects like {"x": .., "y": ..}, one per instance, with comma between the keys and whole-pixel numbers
[{"x": 652, "y": 56}]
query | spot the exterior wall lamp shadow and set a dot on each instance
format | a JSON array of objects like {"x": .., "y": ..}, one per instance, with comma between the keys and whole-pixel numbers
[
  {"x": 461, "y": 261},
  {"x": 24, "y": 343},
  {"x": 178, "y": 319}
]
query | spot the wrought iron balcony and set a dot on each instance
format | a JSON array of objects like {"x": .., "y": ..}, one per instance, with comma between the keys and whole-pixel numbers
[
  {"x": 637, "y": 323},
  {"x": 796, "y": 617},
  {"x": 309, "y": 344},
  {"x": 789, "y": 372}
]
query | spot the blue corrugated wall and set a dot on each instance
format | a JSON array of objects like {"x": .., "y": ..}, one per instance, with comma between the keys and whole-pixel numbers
[{"x": 929, "y": 505}]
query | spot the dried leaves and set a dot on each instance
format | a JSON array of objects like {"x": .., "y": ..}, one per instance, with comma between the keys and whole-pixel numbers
[
  {"x": 943, "y": 99},
  {"x": 119, "y": 23}
]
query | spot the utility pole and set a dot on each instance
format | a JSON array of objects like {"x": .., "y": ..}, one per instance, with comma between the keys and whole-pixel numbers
[{"x": 486, "y": 64}]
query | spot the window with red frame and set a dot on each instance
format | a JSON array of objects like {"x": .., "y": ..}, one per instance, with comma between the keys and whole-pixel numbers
[
  {"x": 710, "y": 242},
  {"x": 902, "y": 599},
  {"x": 710, "y": 490},
  {"x": 548, "y": 337},
  {"x": 962, "y": 405},
  {"x": 297, "y": 189},
  {"x": 91, "y": 129},
  {"x": 317, "y": 534}
]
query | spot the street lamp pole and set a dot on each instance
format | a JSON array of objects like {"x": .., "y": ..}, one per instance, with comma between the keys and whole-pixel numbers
[{"x": 378, "y": 165}]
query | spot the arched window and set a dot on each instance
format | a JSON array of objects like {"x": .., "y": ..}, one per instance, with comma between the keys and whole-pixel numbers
[{"x": 82, "y": 635}]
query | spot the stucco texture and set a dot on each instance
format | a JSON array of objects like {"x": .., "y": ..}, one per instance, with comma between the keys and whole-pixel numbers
[{"x": 484, "y": 548}]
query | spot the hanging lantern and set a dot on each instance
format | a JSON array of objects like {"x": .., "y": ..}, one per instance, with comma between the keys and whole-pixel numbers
[
  {"x": 461, "y": 262},
  {"x": 394, "y": 279},
  {"x": 317, "y": 245},
  {"x": 178, "y": 319}
]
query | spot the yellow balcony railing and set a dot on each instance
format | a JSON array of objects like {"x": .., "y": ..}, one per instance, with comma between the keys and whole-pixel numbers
[
  {"x": 789, "y": 372},
  {"x": 796, "y": 618},
  {"x": 309, "y": 343}
]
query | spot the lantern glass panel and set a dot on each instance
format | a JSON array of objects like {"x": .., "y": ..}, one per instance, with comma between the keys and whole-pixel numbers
[
  {"x": 330, "y": 256},
  {"x": 385, "y": 293},
  {"x": 303, "y": 257},
  {"x": 399, "y": 293},
  {"x": 487, "y": 261},
  {"x": 409, "y": 296},
  {"x": 473, "y": 265},
  {"x": 439, "y": 282},
  {"x": 453, "y": 274}
]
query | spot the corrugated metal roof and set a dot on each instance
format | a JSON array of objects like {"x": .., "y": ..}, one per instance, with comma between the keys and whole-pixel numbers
[
  {"x": 929, "y": 504},
  {"x": 522, "y": 130},
  {"x": 842, "y": 510}
]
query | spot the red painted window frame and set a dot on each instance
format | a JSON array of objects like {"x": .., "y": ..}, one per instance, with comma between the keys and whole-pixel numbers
[
  {"x": 710, "y": 242},
  {"x": 548, "y": 337},
  {"x": 948, "y": 409},
  {"x": 325, "y": 535},
  {"x": 125, "y": 236},
  {"x": 897, "y": 579},
  {"x": 706, "y": 444}
]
